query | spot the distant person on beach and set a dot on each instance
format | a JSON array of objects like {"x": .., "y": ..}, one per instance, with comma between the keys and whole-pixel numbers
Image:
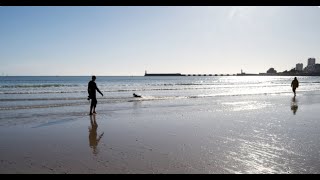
[
  {"x": 92, "y": 87},
  {"x": 93, "y": 140},
  {"x": 295, "y": 85}
]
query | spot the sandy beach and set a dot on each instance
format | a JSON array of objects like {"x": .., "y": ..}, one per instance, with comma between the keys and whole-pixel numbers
[{"x": 240, "y": 134}]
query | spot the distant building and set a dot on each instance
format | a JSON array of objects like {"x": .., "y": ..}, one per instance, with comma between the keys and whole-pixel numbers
[
  {"x": 311, "y": 68},
  {"x": 299, "y": 67},
  {"x": 317, "y": 68},
  {"x": 271, "y": 71},
  {"x": 311, "y": 61}
]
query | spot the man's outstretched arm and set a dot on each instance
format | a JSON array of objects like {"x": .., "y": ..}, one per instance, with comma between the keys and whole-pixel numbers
[{"x": 99, "y": 91}]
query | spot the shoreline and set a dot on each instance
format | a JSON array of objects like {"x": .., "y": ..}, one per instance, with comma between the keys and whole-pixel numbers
[{"x": 164, "y": 75}]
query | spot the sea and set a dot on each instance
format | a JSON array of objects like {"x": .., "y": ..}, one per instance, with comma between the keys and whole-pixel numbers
[{"x": 28, "y": 92}]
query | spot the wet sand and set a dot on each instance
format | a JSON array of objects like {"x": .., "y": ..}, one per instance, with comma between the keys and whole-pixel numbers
[{"x": 240, "y": 134}]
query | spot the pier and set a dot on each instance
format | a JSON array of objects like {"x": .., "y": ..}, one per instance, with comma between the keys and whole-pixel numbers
[
  {"x": 209, "y": 74},
  {"x": 179, "y": 74}
]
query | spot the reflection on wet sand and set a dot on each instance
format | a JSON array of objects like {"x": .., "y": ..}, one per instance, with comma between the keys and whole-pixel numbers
[
  {"x": 93, "y": 140},
  {"x": 294, "y": 105}
]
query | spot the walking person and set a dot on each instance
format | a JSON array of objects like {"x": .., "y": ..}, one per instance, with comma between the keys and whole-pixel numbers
[
  {"x": 294, "y": 85},
  {"x": 92, "y": 87}
]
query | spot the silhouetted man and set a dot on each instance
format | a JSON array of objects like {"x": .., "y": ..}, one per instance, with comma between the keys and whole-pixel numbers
[
  {"x": 92, "y": 87},
  {"x": 295, "y": 85}
]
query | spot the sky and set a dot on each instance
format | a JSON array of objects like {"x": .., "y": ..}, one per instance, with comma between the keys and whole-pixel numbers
[{"x": 127, "y": 40}]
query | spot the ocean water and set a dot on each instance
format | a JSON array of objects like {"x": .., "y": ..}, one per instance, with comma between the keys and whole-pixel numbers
[{"x": 28, "y": 92}]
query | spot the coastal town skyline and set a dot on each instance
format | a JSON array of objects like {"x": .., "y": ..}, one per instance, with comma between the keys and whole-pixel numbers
[
  {"x": 311, "y": 68},
  {"x": 126, "y": 41}
]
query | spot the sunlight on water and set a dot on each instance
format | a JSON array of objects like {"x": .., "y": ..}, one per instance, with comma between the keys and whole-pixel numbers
[
  {"x": 17, "y": 92},
  {"x": 262, "y": 155},
  {"x": 246, "y": 105}
]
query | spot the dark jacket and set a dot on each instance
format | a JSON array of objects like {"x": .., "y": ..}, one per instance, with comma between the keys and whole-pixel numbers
[
  {"x": 295, "y": 83},
  {"x": 92, "y": 89}
]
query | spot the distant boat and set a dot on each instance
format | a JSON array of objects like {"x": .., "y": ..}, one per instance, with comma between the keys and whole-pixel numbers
[{"x": 163, "y": 74}]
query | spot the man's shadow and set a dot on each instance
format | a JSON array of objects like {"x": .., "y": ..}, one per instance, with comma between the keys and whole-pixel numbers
[
  {"x": 294, "y": 105},
  {"x": 93, "y": 140}
]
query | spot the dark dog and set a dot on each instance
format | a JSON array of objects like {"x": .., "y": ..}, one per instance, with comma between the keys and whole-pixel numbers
[{"x": 135, "y": 95}]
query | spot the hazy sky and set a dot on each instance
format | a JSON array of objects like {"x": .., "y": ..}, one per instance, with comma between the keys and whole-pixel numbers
[{"x": 129, "y": 40}]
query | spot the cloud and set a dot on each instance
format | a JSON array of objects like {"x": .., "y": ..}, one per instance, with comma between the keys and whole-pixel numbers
[
  {"x": 232, "y": 13},
  {"x": 241, "y": 11}
]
